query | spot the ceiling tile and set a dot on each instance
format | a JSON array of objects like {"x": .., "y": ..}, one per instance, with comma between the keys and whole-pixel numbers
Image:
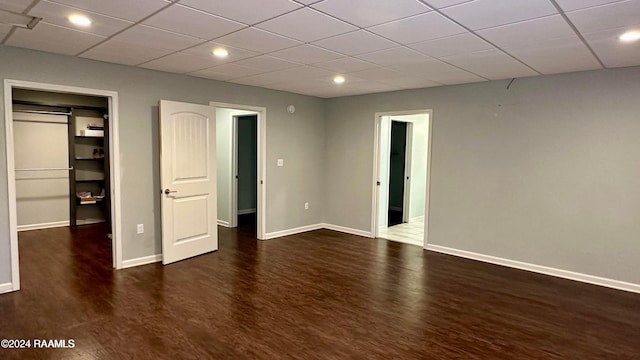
[
  {"x": 376, "y": 74},
  {"x": 299, "y": 74},
  {"x": 439, "y": 4},
  {"x": 123, "y": 9},
  {"x": 306, "y": 54},
  {"x": 18, "y": 6},
  {"x": 206, "y": 50},
  {"x": 411, "y": 82},
  {"x": 491, "y": 64},
  {"x": 252, "y": 80},
  {"x": 257, "y": 40},
  {"x": 570, "y": 5},
  {"x": 183, "y": 20},
  {"x": 612, "y": 52},
  {"x": 147, "y": 36},
  {"x": 394, "y": 56},
  {"x": 440, "y": 72},
  {"x": 227, "y": 71},
  {"x": 452, "y": 45},
  {"x": 418, "y": 28},
  {"x": 365, "y": 13},
  {"x": 616, "y": 15},
  {"x": 57, "y": 14},
  {"x": 481, "y": 14},
  {"x": 355, "y": 43},
  {"x": 180, "y": 63},
  {"x": 345, "y": 65},
  {"x": 306, "y": 25},
  {"x": 267, "y": 63},
  {"x": 246, "y": 11},
  {"x": 550, "y": 57},
  {"x": 308, "y": 2},
  {"x": 528, "y": 32},
  {"x": 53, "y": 38},
  {"x": 123, "y": 53}
]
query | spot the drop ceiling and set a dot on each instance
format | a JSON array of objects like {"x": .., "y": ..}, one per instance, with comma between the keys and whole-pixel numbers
[{"x": 377, "y": 45}]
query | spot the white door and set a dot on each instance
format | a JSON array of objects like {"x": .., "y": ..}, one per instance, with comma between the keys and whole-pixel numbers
[{"x": 188, "y": 177}]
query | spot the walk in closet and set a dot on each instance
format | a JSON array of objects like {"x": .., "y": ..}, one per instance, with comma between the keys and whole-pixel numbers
[{"x": 61, "y": 144}]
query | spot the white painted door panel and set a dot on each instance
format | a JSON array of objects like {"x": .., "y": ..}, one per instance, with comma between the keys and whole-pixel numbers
[{"x": 188, "y": 177}]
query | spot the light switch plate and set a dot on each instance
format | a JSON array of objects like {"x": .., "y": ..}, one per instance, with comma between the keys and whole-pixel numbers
[{"x": 280, "y": 162}]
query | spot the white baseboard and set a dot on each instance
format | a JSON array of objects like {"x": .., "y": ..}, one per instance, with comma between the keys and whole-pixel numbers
[
  {"x": 43, "y": 226},
  {"x": 141, "y": 261},
  {"x": 223, "y": 223},
  {"x": 5, "y": 288},
  {"x": 348, "y": 230},
  {"x": 293, "y": 231},
  {"x": 246, "y": 211},
  {"x": 590, "y": 279}
]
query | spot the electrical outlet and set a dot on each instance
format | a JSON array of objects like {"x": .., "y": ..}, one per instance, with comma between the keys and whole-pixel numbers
[
  {"x": 306, "y": 206},
  {"x": 280, "y": 162},
  {"x": 140, "y": 228}
]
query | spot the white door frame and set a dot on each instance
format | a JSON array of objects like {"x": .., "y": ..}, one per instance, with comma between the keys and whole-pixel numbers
[
  {"x": 262, "y": 173},
  {"x": 375, "y": 193},
  {"x": 114, "y": 159}
]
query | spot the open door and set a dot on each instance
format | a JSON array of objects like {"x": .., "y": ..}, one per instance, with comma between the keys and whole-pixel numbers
[{"x": 188, "y": 178}]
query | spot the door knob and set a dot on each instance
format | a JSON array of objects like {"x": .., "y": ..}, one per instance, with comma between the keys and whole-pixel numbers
[{"x": 167, "y": 191}]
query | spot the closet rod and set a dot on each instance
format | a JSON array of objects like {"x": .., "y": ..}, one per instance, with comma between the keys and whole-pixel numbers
[
  {"x": 44, "y": 112},
  {"x": 45, "y": 169}
]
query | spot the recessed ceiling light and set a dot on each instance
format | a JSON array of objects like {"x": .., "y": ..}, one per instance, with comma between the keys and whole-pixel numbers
[
  {"x": 220, "y": 52},
  {"x": 80, "y": 20},
  {"x": 338, "y": 79},
  {"x": 630, "y": 36}
]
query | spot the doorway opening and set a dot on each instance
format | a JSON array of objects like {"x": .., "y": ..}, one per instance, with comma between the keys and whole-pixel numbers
[
  {"x": 62, "y": 166},
  {"x": 240, "y": 152},
  {"x": 400, "y": 204}
]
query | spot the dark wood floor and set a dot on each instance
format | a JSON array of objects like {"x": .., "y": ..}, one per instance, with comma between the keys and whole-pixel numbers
[{"x": 318, "y": 295}]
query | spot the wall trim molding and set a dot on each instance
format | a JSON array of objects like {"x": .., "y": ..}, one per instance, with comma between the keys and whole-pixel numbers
[
  {"x": 246, "y": 211},
  {"x": 49, "y": 225},
  {"x": 141, "y": 261},
  {"x": 347, "y": 230},
  {"x": 223, "y": 223},
  {"x": 5, "y": 288},
  {"x": 565, "y": 274},
  {"x": 298, "y": 230}
]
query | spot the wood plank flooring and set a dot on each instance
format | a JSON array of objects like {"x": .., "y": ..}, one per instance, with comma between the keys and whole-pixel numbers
[{"x": 318, "y": 295}]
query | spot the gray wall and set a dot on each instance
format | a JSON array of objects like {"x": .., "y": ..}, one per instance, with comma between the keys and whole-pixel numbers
[
  {"x": 545, "y": 173},
  {"x": 299, "y": 138}
]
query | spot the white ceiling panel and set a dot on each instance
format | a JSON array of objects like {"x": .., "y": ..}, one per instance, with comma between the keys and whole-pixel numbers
[
  {"x": 570, "y": 5},
  {"x": 377, "y": 74},
  {"x": 411, "y": 82},
  {"x": 528, "y": 32},
  {"x": 267, "y": 63},
  {"x": 345, "y": 65},
  {"x": 252, "y": 80},
  {"x": 355, "y": 43},
  {"x": 295, "y": 74},
  {"x": 601, "y": 18},
  {"x": 307, "y": 54},
  {"x": 147, "y": 36},
  {"x": 306, "y": 25},
  {"x": 552, "y": 56},
  {"x": 53, "y": 38},
  {"x": 257, "y": 40},
  {"x": 491, "y": 64},
  {"x": 192, "y": 22},
  {"x": 206, "y": 50},
  {"x": 123, "y": 53},
  {"x": 612, "y": 52},
  {"x": 57, "y": 14},
  {"x": 394, "y": 56},
  {"x": 231, "y": 71},
  {"x": 123, "y": 9},
  {"x": 180, "y": 63},
  {"x": 452, "y": 45},
  {"x": 211, "y": 74},
  {"x": 418, "y": 28},
  {"x": 482, "y": 14},
  {"x": 365, "y": 13},
  {"x": 439, "y": 4},
  {"x": 438, "y": 71},
  {"x": 18, "y": 6},
  {"x": 246, "y": 11}
]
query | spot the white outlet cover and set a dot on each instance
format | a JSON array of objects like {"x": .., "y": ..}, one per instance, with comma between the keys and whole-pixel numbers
[{"x": 280, "y": 162}]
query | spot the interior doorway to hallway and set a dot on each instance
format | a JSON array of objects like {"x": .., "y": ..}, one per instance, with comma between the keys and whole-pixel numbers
[{"x": 400, "y": 197}]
